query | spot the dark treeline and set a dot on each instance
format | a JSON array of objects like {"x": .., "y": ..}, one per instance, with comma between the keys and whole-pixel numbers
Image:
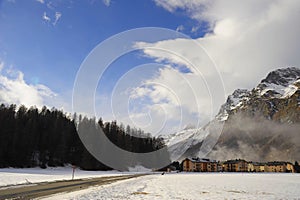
[{"x": 32, "y": 137}]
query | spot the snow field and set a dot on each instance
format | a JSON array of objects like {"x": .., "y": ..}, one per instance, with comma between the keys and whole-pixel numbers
[
  {"x": 196, "y": 186},
  {"x": 11, "y": 176}
]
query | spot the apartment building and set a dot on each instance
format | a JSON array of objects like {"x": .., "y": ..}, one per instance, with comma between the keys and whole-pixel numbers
[
  {"x": 199, "y": 165},
  {"x": 237, "y": 165}
]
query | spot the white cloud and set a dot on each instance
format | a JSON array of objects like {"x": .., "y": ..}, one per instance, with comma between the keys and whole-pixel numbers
[
  {"x": 180, "y": 28},
  {"x": 46, "y": 18},
  {"x": 174, "y": 100},
  {"x": 57, "y": 17},
  {"x": 106, "y": 2},
  {"x": 50, "y": 5},
  {"x": 195, "y": 29},
  {"x": 41, "y": 1},
  {"x": 246, "y": 39},
  {"x": 15, "y": 90}
]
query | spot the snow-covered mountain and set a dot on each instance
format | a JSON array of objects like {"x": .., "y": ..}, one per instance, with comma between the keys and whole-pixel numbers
[
  {"x": 233, "y": 102},
  {"x": 179, "y": 143},
  {"x": 281, "y": 83},
  {"x": 276, "y": 98}
]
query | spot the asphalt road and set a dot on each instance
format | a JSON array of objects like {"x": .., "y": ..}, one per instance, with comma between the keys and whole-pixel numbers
[{"x": 49, "y": 188}]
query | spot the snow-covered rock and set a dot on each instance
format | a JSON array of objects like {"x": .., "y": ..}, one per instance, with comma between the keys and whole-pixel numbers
[
  {"x": 234, "y": 101},
  {"x": 179, "y": 143},
  {"x": 281, "y": 83},
  {"x": 269, "y": 97}
]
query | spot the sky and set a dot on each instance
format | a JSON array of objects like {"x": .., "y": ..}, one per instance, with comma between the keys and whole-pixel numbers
[{"x": 164, "y": 84}]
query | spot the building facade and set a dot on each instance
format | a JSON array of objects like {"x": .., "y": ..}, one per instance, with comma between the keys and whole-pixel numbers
[
  {"x": 199, "y": 165},
  {"x": 250, "y": 167},
  {"x": 259, "y": 167},
  {"x": 279, "y": 167},
  {"x": 237, "y": 165}
]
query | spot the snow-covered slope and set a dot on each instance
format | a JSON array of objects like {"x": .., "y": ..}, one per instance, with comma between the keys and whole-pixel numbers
[
  {"x": 193, "y": 134},
  {"x": 270, "y": 97},
  {"x": 180, "y": 142},
  {"x": 233, "y": 101}
]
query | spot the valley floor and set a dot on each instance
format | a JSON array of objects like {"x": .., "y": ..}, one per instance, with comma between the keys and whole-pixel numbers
[{"x": 196, "y": 186}]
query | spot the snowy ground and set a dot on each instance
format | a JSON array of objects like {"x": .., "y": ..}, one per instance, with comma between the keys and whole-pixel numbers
[
  {"x": 196, "y": 186},
  {"x": 11, "y": 176}
]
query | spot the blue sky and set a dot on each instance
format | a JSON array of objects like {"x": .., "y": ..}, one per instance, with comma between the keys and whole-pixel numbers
[
  {"x": 51, "y": 53},
  {"x": 44, "y": 42}
]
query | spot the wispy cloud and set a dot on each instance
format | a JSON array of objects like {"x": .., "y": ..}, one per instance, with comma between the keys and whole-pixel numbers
[
  {"x": 57, "y": 17},
  {"x": 180, "y": 28},
  {"x": 106, "y": 2},
  {"x": 195, "y": 29},
  {"x": 41, "y": 1},
  {"x": 46, "y": 18},
  {"x": 50, "y": 5}
]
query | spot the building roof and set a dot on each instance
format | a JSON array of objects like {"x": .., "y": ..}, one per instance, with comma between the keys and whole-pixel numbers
[
  {"x": 258, "y": 164},
  {"x": 234, "y": 161},
  {"x": 201, "y": 160},
  {"x": 276, "y": 163}
]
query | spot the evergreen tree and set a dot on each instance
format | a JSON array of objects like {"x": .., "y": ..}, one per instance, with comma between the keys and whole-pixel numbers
[{"x": 30, "y": 138}]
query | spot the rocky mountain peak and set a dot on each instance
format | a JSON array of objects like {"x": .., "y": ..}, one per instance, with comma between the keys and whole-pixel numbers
[
  {"x": 275, "y": 101},
  {"x": 282, "y": 76},
  {"x": 238, "y": 94},
  {"x": 233, "y": 101}
]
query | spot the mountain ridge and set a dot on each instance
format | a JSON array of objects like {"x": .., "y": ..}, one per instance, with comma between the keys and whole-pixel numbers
[{"x": 274, "y": 102}]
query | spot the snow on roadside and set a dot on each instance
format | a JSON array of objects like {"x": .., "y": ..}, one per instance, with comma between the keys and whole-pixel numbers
[
  {"x": 139, "y": 168},
  {"x": 12, "y": 176},
  {"x": 196, "y": 186}
]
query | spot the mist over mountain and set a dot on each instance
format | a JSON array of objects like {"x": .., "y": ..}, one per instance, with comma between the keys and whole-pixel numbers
[
  {"x": 258, "y": 139},
  {"x": 262, "y": 124}
]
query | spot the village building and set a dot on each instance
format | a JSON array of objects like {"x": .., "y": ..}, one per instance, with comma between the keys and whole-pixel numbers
[
  {"x": 199, "y": 165},
  {"x": 279, "y": 167},
  {"x": 250, "y": 167},
  {"x": 290, "y": 167},
  {"x": 259, "y": 167},
  {"x": 220, "y": 167},
  {"x": 237, "y": 165}
]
